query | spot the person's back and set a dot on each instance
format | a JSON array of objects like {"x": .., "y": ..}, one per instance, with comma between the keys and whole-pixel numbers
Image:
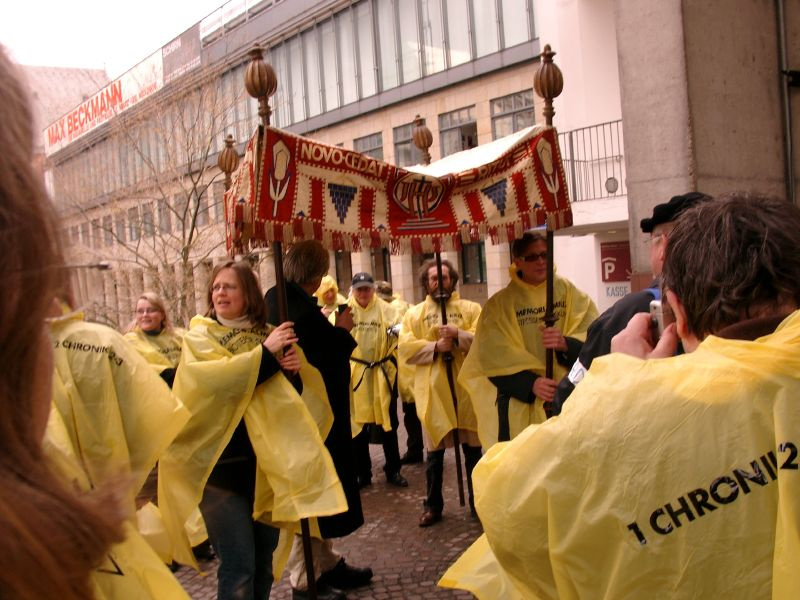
[{"x": 676, "y": 477}]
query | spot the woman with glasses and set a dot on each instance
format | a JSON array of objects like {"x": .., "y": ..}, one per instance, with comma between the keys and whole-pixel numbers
[
  {"x": 252, "y": 455},
  {"x": 154, "y": 337},
  {"x": 507, "y": 360}
]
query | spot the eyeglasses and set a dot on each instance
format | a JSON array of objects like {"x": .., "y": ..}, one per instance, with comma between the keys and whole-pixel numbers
[
  {"x": 223, "y": 287},
  {"x": 146, "y": 311},
  {"x": 656, "y": 237},
  {"x": 534, "y": 257}
]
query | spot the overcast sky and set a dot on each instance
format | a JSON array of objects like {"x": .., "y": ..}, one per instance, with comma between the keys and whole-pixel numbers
[{"x": 110, "y": 34}]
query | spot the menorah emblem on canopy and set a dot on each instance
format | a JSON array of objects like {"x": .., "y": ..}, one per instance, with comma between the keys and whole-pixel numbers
[{"x": 419, "y": 195}]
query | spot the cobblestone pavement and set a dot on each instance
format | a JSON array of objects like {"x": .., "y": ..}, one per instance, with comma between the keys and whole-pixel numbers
[{"x": 407, "y": 559}]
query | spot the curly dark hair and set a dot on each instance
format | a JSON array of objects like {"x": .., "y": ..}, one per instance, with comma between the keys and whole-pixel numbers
[
  {"x": 734, "y": 258},
  {"x": 422, "y": 274}
]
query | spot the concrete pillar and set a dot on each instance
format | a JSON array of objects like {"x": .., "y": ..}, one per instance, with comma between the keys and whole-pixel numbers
[
  {"x": 404, "y": 279},
  {"x": 497, "y": 262},
  {"x": 700, "y": 92}
]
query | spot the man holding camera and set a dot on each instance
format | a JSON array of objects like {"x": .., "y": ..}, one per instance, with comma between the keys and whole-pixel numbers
[
  {"x": 677, "y": 477},
  {"x": 373, "y": 379},
  {"x": 614, "y": 320}
]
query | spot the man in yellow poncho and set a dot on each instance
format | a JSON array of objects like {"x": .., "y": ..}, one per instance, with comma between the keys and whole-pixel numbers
[
  {"x": 667, "y": 476},
  {"x": 425, "y": 345},
  {"x": 112, "y": 418},
  {"x": 328, "y": 296},
  {"x": 411, "y": 422},
  {"x": 505, "y": 371},
  {"x": 373, "y": 379}
]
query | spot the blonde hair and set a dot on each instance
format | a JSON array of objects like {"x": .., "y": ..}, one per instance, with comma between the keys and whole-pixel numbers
[
  {"x": 155, "y": 300},
  {"x": 53, "y": 537}
]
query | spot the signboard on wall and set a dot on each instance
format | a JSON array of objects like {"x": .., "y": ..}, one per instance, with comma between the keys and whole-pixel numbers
[
  {"x": 182, "y": 54},
  {"x": 135, "y": 85},
  {"x": 615, "y": 268}
]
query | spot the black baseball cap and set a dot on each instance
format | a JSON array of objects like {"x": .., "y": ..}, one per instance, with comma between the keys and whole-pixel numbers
[
  {"x": 664, "y": 213},
  {"x": 363, "y": 280}
]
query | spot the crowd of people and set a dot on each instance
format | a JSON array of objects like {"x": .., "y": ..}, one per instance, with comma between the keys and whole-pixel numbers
[{"x": 670, "y": 468}]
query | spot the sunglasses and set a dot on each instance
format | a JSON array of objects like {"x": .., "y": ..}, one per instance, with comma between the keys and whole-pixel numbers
[{"x": 534, "y": 257}]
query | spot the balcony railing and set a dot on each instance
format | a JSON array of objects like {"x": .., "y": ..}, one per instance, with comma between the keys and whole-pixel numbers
[{"x": 594, "y": 162}]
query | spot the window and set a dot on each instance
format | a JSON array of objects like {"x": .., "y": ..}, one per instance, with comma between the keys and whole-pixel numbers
[
  {"x": 511, "y": 113},
  {"x": 366, "y": 50},
  {"x": 119, "y": 224},
  {"x": 148, "y": 227},
  {"x": 133, "y": 223},
  {"x": 164, "y": 217},
  {"x": 329, "y": 71},
  {"x": 388, "y": 47},
  {"x": 458, "y": 130},
  {"x": 96, "y": 233},
  {"x": 202, "y": 207},
  {"x": 311, "y": 55},
  {"x": 85, "y": 233},
  {"x": 371, "y": 145},
  {"x": 485, "y": 15},
  {"x": 108, "y": 231},
  {"x": 381, "y": 264},
  {"x": 294, "y": 56},
  {"x": 218, "y": 190},
  {"x": 515, "y": 28},
  {"x": 409, "y": 42},
  {"x": 344, "y": 270},
  {"x": 432, "y": 36},
  {"x": 180, "y": 206},
  {"x": 405, "y": 152},
  {"x": 473, "y": 263}
]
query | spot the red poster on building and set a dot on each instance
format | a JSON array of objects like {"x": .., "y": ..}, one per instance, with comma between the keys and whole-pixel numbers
[{"x": 615, "y": 261}]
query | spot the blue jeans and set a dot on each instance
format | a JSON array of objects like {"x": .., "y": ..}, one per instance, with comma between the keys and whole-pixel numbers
[{"x": 244, "y": 546}]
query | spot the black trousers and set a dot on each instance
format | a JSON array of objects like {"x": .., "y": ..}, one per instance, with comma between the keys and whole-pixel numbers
[
  {"x": 434, "y": 475},
  {"x": 391, "y": 450},
  {"x": 413, "y": 429}
]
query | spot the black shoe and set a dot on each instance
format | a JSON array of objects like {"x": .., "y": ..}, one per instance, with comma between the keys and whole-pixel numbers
[
  {"x": 411, "y": 458},
  {"x": 430, "y": 517},
  {"x": 344, "y": 576},
  {"x": 363, "y": 481},
  {"x": 324, "y": 592},
  {"x": 396, "y": 479},
  {"x": 204, "y": 551}
]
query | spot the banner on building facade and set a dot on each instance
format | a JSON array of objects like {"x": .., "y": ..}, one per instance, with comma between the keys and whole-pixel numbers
[
  {"x": 351, "y": 201},
  {"x": 135, "y": 85}
]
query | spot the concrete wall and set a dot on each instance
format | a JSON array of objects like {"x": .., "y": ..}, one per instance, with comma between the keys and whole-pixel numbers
[{"x": 700, "y": 101}]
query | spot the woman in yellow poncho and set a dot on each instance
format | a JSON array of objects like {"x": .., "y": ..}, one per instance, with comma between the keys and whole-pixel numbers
[
  {"x": 328, "y": 296},
  {"x": 251, "y": 456},
  {"x": 154, "y": 337}
]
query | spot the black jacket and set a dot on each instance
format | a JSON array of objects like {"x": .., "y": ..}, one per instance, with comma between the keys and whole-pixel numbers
[{"x": 328, "y": 348}]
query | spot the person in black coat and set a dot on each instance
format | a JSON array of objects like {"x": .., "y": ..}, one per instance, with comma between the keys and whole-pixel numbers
[
  {"x": 615, "y": 319},
  {"x": 328, "y": 348}
]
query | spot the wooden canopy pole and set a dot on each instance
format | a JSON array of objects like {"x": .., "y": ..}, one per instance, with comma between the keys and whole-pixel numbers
[
  {"x": 548, "y": 83},
  {"x": 261, "y": 83},
  {"x": 423, "y": 139}
]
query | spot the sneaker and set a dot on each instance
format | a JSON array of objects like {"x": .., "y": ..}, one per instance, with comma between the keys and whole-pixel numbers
[{"x": 344, "y": 576}]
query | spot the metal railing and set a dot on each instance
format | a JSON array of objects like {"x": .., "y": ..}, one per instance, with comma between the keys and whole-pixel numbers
[{"x": 594, "y": 161}]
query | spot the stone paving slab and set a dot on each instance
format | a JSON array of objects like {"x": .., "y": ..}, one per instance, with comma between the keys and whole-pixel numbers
[{"x": 407, "y": 559}]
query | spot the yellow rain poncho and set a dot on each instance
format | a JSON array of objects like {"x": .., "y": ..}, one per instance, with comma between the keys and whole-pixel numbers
[
  {"x": 217, "y": 381},
  {"x": 112, "y": 418},
  {"x": 372, "y": 385},
  {"x": 509, "y": 340},
  {"x": 162, "y": 351},
  {"x": 670, "y": 478},
  {"x": 329, "y": 283},
  {"x": 428, "y": 382},
  {"x": 399, "y": 305}
]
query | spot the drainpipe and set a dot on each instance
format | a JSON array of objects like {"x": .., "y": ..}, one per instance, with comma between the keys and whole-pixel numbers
[{"x": 788, "y": 78}]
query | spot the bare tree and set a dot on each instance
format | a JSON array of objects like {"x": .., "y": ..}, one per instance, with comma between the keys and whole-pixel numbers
[{"x": 148, "y": 197}]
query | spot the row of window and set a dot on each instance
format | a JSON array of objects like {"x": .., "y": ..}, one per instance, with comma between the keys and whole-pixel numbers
[
  {"x": 377, "y": 45},
  {"x": 458, "y": 129},
  {"x": 164, "y": 217}
]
